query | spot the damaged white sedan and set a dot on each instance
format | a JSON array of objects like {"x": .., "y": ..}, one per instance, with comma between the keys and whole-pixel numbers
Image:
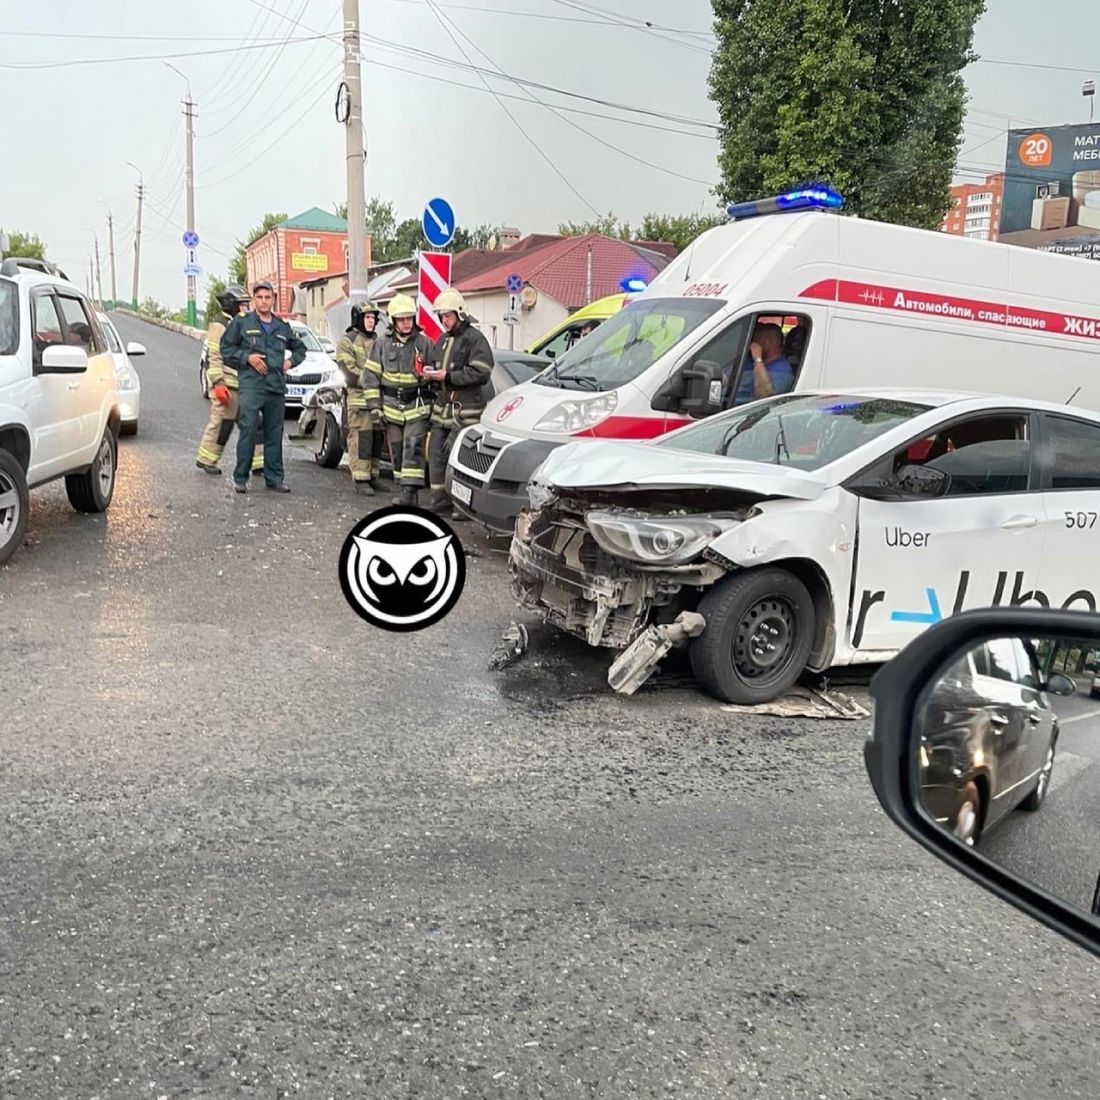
[{"x": 809, "y": 530}]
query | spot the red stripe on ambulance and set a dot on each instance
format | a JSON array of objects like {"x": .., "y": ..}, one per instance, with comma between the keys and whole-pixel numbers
[
  {"x": 972, "y": 310},
  {"x": 634, "y": 427}
]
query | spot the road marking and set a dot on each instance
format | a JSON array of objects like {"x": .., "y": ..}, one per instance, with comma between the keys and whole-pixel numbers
[
  {"x": 1078, "y": 718},
  {"x": 1066, "y": 766}
]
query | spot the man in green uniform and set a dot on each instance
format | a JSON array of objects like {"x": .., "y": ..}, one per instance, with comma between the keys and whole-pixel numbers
[
  {"x": 257, "y": 344},
  {"x": 363, "y": 395}
]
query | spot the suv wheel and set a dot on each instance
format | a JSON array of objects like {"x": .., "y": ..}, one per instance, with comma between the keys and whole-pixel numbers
[
  {"x": 92, "y": 490},
  {"x": 14, "y": 505},
  {"x": 331, "y": 449},
  {"x": 760, "y": 626}
]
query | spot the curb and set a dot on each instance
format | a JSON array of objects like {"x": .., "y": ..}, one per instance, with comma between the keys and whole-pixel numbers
[{"x": 172, "y": 326}]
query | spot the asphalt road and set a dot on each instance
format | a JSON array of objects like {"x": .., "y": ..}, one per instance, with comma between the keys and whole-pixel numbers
[{"x": 253, "y": 847}]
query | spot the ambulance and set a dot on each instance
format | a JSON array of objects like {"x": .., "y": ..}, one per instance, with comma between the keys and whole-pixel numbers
[
  {"x": 861, "y": 303},
  {"x": 555, "y": 343}
]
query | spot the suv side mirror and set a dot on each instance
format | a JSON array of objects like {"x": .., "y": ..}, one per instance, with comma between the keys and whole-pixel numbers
[
  {"x": 134, "y": 348},
  {"x": 956, "y": 802},
  {"x": 63, "y": 359}
]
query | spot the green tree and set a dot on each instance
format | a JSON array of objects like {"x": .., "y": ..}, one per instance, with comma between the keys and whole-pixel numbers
[
  {"x": 238, "y": 267},
  {"x": 678, "y": 229},
  {"x": 607, "y": 226},
  {"x": 25, "y": 244},
  {"x": 472, "y": 238},
  {"x": 152, "y": 308},
  {"x": 867, "y": 94},
  {"x": 212, "y": 309}
]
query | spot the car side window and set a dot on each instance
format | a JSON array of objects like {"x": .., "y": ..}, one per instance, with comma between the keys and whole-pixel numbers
[
  {"x": 112, "y": 340},
  {"x": 783, "y": 340},
  {"x": 563, "y": 341},
  {"x": 1070, "y": 453},
  {"x": 80, "y": 328},
  {"x": 982, "y": 455},
  {"x": 999, "y": 657},
  {"x": 46, "y": 324}
]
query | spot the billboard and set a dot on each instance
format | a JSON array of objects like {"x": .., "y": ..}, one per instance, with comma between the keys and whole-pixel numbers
[{"x": 1052, "y": 190}]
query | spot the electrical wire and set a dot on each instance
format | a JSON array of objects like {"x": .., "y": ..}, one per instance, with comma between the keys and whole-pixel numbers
[
  {"x": 636, "y": 25},
  {"x": 27, "y": 67},
  {"x": 577, "y": 126},
  {"x": 281, "y": 136},
  {"x": 225, "y": 80},
  {"x": 515, "y": 122}
]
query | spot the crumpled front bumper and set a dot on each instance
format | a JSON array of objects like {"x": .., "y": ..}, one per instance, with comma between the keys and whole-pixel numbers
[{"x": 600, "y": 598}]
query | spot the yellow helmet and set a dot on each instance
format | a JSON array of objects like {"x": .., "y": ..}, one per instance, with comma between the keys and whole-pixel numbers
[
  {"x": 401, "y": 305},
  {"x": 450, "y": 301}
]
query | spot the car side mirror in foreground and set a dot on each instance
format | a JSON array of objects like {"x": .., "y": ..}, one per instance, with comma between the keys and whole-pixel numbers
[
  {"x": 134, "y": 348},
  {"x": 63, "y": 359},
  {"x": 986, "y": 750}
]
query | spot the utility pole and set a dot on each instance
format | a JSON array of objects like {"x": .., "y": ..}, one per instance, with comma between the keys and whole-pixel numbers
[
  {"x": 111, "y": 249},
  {"x": 137, "y": 234},
  {"x": 98, "y": 275},
  {"x": 353, "y": 143},
  {"x": 189, "y": 182}
]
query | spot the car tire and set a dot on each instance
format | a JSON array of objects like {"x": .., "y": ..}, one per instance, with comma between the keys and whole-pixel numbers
[
  {"x": 14, "y": 516},
  {"x": 92, "y": 490},
  {"x": 1037, "y": 796},
  {"x": 760, "y": 627},
  {"x": 331, "y": 449},
  {"x": 967, "y": 826}
]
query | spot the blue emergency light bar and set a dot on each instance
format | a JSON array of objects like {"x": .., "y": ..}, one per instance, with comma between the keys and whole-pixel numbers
[
  {"x": 633, "y": 286},
  {"x": 805, "y": 198}
]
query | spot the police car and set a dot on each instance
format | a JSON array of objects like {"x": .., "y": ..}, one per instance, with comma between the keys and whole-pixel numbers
[{"x": 815, "y": 529}]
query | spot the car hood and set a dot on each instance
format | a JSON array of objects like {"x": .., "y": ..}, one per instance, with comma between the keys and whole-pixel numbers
[
  {"x": 638, "y": 465},
  {"x": 314, "y": 362}
]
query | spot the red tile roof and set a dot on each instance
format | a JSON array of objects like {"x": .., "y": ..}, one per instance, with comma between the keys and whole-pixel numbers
[{"x": 559, "y": 268}]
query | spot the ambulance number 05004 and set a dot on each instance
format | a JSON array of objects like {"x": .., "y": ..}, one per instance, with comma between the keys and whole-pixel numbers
[{"x": 1081, "y": 520}]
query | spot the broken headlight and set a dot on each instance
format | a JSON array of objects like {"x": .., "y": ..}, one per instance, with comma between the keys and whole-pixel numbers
[
  {"x": 656, "y": 540},
  {"x": 578, "y": 416}
]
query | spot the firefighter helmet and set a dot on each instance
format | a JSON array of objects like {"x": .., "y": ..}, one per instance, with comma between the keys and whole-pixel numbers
[
  {"x": 450, "y": 301},
  {"x": 232, "y": 298},
  {"x": 402, "y": 306}
]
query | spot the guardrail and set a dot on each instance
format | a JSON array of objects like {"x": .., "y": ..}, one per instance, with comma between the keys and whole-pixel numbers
[{"x": 173, "y": 326}]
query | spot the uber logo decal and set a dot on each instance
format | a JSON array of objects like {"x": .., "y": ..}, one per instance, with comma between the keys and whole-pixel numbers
[{"x": 1082, "y": 599}]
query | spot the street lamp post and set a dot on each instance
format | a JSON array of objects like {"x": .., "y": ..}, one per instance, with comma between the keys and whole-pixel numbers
[
  {"x": 189, "y": 179},
  {"x": 137, "y": 233}
]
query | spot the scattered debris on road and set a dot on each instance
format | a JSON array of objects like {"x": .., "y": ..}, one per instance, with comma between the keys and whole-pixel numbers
[
  {"x": 802, "y": 702},
  {"x": 639, "y": 660},
  {"x": 512, "y": 646}
]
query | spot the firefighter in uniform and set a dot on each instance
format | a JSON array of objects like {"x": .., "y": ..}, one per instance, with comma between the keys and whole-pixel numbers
[
  {"x": 463, "y": 363},
  {"x": 222, "y": 385},
  {"x": 396, "y": 366},
  {"x": 363, "y": 396}
]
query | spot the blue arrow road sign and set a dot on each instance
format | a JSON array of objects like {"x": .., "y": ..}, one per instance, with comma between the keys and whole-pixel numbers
[
  {"x": 190, "y": 239},
  {"x": 513, "y": 284},
  {"x": 438, "y": 223}
]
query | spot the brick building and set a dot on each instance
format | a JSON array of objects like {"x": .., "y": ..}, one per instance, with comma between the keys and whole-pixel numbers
[
  {"x": 312, "y": 244},
  {"x": 976, "y": 209}
]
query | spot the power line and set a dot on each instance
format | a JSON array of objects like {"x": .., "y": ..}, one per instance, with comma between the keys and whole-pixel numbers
[
  {"x": 230, "y": 71},
  {"x": 635, "y": 24},
  {"x": 515, "y": 122},
  {"x": 280, "y": 136},
  {"x": 577, "y": 126},
  {"x": 25, "y": 66},
  {"x": 1033, "y": 65}
]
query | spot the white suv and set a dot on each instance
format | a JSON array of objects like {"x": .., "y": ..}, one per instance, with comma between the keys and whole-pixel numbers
[{"x": 59, "y": 408}]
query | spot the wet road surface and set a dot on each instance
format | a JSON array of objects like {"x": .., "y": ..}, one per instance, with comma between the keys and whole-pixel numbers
[{"x": 253, "y": 847}]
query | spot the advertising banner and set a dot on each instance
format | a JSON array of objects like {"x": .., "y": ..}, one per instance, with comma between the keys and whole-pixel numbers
[{"x": 1052, "y": 190}]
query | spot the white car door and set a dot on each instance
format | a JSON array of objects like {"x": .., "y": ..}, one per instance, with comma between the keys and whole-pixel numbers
[
  {"x": 1070, "y": 470},
  {"x": 89, "y": 390},
  {"x": 922, "y": 556},
  {"x": 51, "y": 398}
]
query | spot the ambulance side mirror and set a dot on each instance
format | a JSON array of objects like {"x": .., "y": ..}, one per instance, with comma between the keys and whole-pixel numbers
[{"x": 694, "y": 390}]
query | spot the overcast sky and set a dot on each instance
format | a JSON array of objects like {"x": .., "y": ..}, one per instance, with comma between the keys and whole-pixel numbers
[{"x": 266, "y": 138}]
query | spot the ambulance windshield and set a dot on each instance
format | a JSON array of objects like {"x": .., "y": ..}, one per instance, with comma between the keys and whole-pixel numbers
[{"x": 626, "y": 345}]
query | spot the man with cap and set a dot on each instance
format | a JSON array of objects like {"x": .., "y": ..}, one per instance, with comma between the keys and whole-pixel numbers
[
  {"x": 222, "y": 385},
  {"x": 463, "y": 364},
  {"x": 397, "y": 360},
  {"x": 363, "y": 395},
  {"x": 263, "y": 348}
]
